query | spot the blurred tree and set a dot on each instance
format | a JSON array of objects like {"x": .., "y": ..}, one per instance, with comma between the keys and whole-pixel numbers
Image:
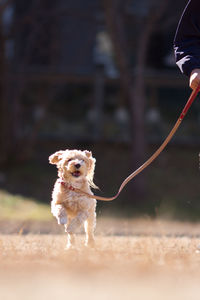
[
  {"x": 29, "y": 24},
  {"x": 4, "y": 107},
  {"x": 48, "y": 35},
  {"x": 147, "y": 16}
]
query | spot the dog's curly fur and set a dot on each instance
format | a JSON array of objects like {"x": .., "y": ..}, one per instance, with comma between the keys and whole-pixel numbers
[{"x": 75, "y": 168}]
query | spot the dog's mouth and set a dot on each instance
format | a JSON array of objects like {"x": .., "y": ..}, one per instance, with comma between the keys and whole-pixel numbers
[{"x": 76, "y": 173}]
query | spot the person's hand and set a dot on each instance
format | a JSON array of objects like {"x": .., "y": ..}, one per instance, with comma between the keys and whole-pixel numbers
[{"x": 195, "y": 78}]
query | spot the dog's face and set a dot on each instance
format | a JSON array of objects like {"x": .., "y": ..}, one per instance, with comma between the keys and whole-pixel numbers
[{"x": 74, "y": 165}]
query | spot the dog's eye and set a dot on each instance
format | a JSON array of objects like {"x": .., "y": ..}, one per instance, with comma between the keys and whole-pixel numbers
[{"x": 69, "y": 160}]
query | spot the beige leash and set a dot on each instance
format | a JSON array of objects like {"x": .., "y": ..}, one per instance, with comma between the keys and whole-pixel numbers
[{"x": 153, "y": 157}]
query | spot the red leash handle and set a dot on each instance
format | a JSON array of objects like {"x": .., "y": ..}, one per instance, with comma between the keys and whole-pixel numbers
[
  {"x": 155, "y": 155},
  {"x": 189, "y": 102}
]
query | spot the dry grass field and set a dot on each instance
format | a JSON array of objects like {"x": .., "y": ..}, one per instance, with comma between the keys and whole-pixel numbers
[{"x": 133, "y": 259}]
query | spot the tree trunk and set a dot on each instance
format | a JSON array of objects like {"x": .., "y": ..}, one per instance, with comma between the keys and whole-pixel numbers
[{"x": 134, "y": 91}]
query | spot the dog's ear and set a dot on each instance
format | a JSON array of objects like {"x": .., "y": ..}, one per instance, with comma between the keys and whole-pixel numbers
[
  {"x": 56, "y": 157},
  {"x": 88, "y": 153},
  {"x": 91, "y": 161},
  {"x": 90, "y": 174}
]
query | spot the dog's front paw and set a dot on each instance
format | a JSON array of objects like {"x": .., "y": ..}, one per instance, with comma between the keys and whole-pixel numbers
[
  {"x": 62, "y": 220},
  {"x": 61, "y": 215}
]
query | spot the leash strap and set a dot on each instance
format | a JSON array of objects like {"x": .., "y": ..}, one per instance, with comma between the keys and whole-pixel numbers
[{"x": 154, "y": 156}]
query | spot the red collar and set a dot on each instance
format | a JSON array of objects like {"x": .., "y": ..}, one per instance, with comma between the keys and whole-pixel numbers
[{"x": 67, "y": 186}]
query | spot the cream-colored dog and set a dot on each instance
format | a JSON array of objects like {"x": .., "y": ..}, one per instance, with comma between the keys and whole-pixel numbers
[{"x": 71, "y": 209}]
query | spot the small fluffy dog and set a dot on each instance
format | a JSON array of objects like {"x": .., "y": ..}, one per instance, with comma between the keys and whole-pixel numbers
[{"x": 71, "y": 209}]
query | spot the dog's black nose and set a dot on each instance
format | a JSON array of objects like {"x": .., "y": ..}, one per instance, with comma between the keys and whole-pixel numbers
[{"x": 77, "y": 166}]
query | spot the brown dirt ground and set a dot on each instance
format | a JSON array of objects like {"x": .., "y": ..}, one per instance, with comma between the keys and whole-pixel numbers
[{"x": 133, "y": 259}]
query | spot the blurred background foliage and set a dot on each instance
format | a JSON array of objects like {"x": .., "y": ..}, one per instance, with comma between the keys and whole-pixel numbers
[{"x": 96, "y": 75}]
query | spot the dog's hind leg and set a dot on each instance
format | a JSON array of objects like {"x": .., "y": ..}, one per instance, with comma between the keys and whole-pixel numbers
[
  {"x": 71, "y": 240},
  {"x": 89, "y": 226}
]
